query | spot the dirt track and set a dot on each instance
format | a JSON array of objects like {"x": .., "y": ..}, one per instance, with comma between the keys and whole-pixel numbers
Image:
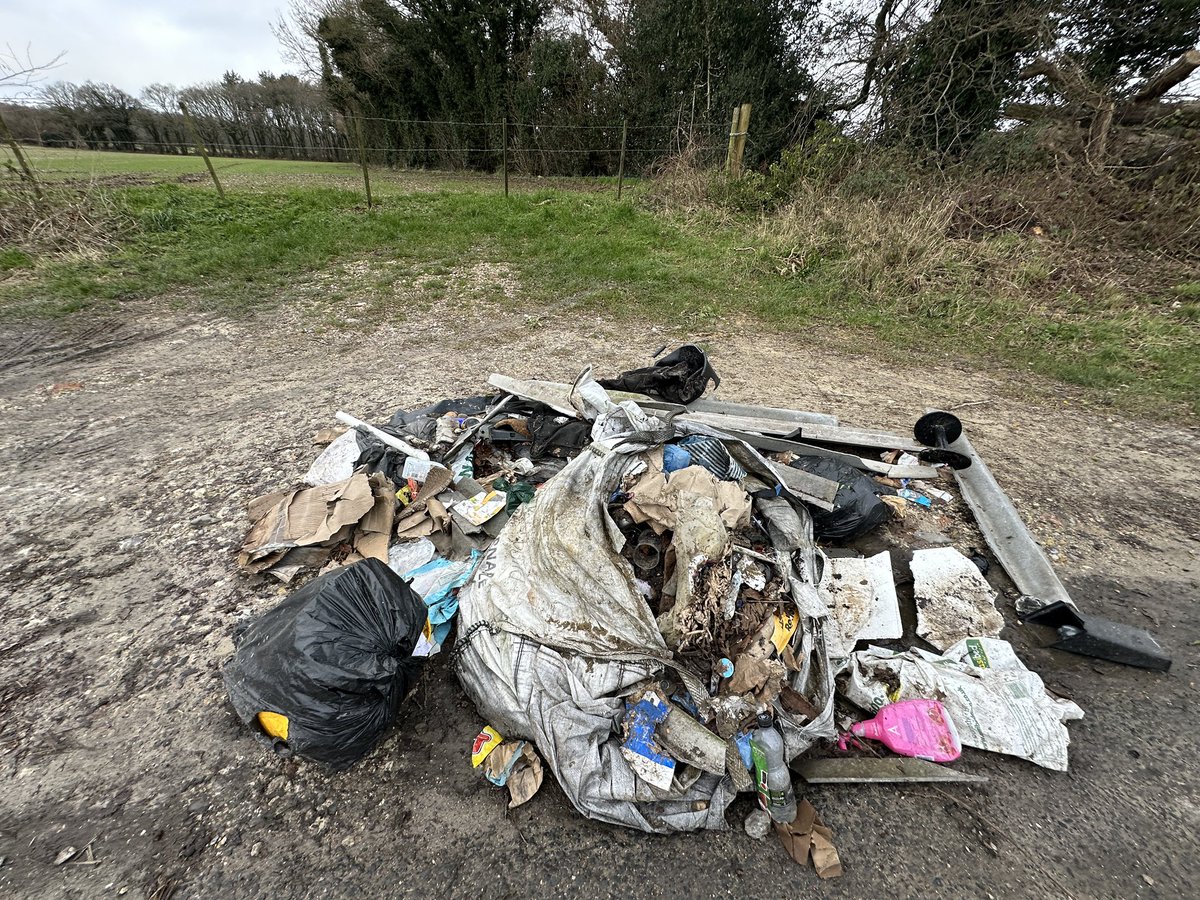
[{"x": 130, "y": 445}]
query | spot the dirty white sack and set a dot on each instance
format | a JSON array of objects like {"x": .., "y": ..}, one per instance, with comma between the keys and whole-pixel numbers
[{"x": 553, "y": 634}]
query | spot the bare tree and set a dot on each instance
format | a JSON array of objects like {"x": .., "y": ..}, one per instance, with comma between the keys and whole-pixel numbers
[{"x": 20, "y": 75}]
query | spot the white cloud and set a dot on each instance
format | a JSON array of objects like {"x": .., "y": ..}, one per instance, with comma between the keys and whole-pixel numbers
[{"x": 133, "y": 43}]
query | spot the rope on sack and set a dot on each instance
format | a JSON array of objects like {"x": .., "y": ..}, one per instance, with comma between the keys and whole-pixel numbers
[{"x": 461, "y": 645}]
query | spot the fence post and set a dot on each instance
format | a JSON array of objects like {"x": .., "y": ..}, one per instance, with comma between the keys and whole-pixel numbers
[
  {"x": 362, "y": 157},
  {"x": 16, "y": 149},
  {"x": 504, "y": 155},
  {"x": 737, "y": 140},
  {"x": 621, "y": 161},
  {"x": 743, "y": 130},
  {"x": 191, "y": 127},
  {"x": 733, "y": 130}
]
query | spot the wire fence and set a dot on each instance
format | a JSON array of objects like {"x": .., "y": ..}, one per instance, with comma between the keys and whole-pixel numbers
[
  {"x": 525, "y": 148},
  {"x": 373, "y": 143}
]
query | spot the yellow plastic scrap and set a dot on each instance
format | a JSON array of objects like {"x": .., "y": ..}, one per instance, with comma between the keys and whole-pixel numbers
[
  {"x": 785, "y": 627},
  {"x": 485, "y": 742},
  {"x": 274, "y": 724}
]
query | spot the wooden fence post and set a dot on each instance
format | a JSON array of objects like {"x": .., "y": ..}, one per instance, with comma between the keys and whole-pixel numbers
[
  {"x": 733, "y": 130},
  {"x": 737, "y": 140},
  {"x": 621, "y": 162},
  {"x": 16, "y": 149},
  {"x": 504, "y": 164},
  {"x": 191, "y": 127},
  {"x": 362, "y": 158}
]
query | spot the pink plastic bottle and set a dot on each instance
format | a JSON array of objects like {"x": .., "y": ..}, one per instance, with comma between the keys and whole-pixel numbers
[{"x": 919, "y": 728}]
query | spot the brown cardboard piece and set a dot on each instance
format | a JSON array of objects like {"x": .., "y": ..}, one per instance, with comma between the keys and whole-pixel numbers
[
  {"x": 358, "y": 510},
  {"x": 655, "y": 496},
  {"x": 807, "y": 836}
]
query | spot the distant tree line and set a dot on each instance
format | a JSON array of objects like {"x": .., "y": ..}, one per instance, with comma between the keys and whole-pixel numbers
[
  {"x": 431, "y": 82},
  {"x": 276, "y": 117}
]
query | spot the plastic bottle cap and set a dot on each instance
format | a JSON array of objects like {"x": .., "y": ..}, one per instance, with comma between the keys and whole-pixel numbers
[{"x": 764, "y": 720}]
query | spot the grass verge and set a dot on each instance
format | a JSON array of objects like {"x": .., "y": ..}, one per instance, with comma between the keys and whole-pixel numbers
[{"x": 578, "y": 250}]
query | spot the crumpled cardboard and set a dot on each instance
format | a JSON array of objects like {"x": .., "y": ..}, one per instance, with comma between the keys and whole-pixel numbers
[
  {"x": 655, "y": 496},
  {"x": 517, "y": 766},
  {"x": 357, "y": 511},
  {"x": 807, "y": 837}
]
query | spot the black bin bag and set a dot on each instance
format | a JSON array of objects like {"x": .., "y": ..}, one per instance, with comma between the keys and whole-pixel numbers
[
  {"x": 682, "y": 376},
  {"x": 334, "y": 658},
  {"x": 856, "y": 508}
]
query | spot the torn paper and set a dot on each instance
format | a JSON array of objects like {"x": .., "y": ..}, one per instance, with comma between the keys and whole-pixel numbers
[{"x": 994, "y": 701}]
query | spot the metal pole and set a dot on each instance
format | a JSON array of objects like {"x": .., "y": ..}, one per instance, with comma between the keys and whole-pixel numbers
[
  {"x": 191, "y": 127},
  {"x": 504, "y": 140},
  {"x": 621, "y": 162}
]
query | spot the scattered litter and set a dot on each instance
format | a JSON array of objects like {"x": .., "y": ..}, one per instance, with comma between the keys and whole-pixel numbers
[
  {"x": 995, "y": 702},
  {"x": 954, "y": 600},
  {"x": 918, "y": 728},
  {"x": 485, "y": 742},
  {"x": 758, "y": 824},
  {"x": 807, "y": 837},
  {"x": 651, "y": 594}
]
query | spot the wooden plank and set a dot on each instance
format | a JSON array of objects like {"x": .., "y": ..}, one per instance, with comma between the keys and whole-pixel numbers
[
  {"x": 727, "y": 408},
  {"x": 766, "y": 442},
  {"x": 810, "y": 431}
]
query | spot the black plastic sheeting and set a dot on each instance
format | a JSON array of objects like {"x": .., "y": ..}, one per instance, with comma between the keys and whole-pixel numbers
[
  {"x": 335, "y": 657},
  {"x": 856, "y": 507},
  {"x": 682, "y": 376}
]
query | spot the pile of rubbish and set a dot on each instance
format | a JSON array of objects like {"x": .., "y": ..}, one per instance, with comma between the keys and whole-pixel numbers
[{"x": 664, "y": 600}]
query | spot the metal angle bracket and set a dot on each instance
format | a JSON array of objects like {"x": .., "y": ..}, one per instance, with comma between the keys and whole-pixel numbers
[{"x": 1100, "y": 638}]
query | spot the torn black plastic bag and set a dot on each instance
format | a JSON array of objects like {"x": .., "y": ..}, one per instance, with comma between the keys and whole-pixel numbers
[
  {"x": 856, "y": 507},
  {"x": 335, "y": 658},
  {"x": 681, "y": 376}
]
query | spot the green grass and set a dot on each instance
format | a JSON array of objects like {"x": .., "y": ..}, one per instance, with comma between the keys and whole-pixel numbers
[{"x": 577, "y": 250}]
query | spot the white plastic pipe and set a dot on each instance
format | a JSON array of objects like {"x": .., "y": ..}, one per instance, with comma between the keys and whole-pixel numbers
[{"x": 393, "y": 442}]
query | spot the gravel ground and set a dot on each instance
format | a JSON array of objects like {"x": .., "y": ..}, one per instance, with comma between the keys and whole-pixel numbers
[{"x": 130, "y": 445}]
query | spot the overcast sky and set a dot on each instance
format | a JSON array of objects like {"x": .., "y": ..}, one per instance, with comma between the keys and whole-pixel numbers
[{"x": 133, "y": 43}]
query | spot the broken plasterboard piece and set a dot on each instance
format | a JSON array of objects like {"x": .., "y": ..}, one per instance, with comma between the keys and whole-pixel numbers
[
  {"x": 954, "y": 601},
  {"x": 878, "y": 770},
  {"x": 861, "y": 597}
]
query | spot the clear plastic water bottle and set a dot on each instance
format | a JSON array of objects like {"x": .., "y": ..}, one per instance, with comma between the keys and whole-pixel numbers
[{"x": 772, "y": 779}]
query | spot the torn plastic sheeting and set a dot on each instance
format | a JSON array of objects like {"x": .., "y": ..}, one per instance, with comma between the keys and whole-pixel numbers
[
  {"x": 405, "y": 556},
  {"x": 436, "y": 582},
  {"x": 995, "y": 702},
  {"x": 336, "y": 462},
  {"x": 554, "y": 634}
]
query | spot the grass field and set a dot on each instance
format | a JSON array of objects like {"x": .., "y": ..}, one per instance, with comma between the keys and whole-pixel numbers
[{"x": 568, "y": 245}]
